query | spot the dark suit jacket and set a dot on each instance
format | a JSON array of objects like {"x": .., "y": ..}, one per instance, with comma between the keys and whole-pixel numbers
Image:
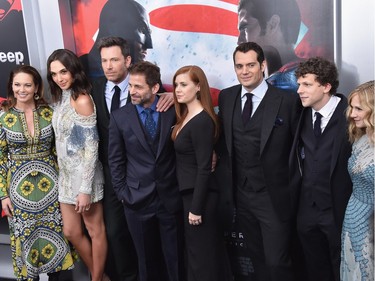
[
  {"x": 341, "y": 185},
  {"x": 281, "y": 113},
  {"x": 98, "y": 89},
  {"x": 137, "y": 173}
]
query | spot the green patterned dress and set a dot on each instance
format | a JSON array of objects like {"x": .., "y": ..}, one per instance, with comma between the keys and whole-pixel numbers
[{"x": 28, "y": 175}]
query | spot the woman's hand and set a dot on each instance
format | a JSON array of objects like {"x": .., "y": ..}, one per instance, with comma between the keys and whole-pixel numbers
[
  {"x": 7, "y": 206},
  {"x": 194, "y": 219},
  {"x": 83, "y": 202}
]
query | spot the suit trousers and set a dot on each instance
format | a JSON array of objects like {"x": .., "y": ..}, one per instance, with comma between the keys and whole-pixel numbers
[
  {"x": 158, "y": 239},
  {"x": 321, "y": 242},
  {"x": 268, "y": 239},
  {"x": 121, "y": 264}
]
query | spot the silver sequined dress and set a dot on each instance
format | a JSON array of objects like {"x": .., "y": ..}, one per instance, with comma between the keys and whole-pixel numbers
[
  {"x": 357, "y": 250},
  {"x": 77, "y": 153}
]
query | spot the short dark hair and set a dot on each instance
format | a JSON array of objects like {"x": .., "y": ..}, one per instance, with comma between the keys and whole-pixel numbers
[
  {"x": 149, "y": 70},
  {"x": 250, "y": 46},
  {"x": 111, "y": 41},
  {"x": 287, "y": 10},
  {"x": 325, "y": 71}
]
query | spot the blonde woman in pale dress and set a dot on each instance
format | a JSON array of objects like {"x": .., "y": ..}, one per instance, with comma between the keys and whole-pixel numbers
[{"x": 357, "y": 250}]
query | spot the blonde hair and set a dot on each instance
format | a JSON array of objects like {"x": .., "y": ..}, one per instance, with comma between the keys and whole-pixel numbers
[{"x": 365, "y": 93}]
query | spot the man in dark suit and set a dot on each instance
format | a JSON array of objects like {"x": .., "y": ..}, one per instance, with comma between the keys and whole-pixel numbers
[
  {"x": 258, "y": 122},
  {"x": 318, "y": 162},
  {"x": 115, "y": 59},
  {"x": 142, "y": 164}
]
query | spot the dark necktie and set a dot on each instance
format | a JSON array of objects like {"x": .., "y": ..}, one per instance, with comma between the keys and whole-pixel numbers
[
  {"x": 150, "y": 124},
  {"x": 248, "y": 108},
  {"x": 115, "y": 104},
  {"x": 317, "y": 124}
]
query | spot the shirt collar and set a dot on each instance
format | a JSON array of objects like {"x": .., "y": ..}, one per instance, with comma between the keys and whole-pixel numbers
[
  {"x": 123, "y": 85},
  {"x": 140, "y": 108},
  {"x": 330, "y": 106},
  {"x": 258, "y": 92}
]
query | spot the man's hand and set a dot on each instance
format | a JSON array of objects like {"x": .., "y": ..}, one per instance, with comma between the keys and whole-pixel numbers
[{"x": 166, "y": 100}]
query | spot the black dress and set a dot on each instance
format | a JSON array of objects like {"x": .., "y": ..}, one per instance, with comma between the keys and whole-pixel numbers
[{"x": 204, "y": 243}]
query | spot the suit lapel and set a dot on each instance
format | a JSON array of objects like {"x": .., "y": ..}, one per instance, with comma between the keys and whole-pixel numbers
[
  {"x": 228, "y": 125},
  {"x": 166, "y": 123},
  {"x": 271, "y": 108},
  {"x": 341, "y": 131},
  {"x": 102, "y": 102},
  {"x": 136, "y": 127}
]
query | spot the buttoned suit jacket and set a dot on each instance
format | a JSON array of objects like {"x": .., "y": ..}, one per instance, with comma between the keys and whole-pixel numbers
[
  {"x": 279, "y": 122},
  {"x": 138, "y": 172},
  {"x": 340, "y": 182}
]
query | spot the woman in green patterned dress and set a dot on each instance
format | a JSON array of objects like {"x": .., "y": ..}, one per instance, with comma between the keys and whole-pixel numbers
[{"x": 28, "y": 180}]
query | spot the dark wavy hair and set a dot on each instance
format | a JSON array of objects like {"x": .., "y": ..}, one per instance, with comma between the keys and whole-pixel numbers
[
  {"x": 112, "y": 41},
  {"x": 287, "y": 10},
  {"x": 196, "y": 75},
  {"x": 250, "y": 46},
  {"x": 149, "y": 70},
  {"x": 324, "y": 70},
  {"x": 11, "y": 101},
  {"x": 80, "y": 85}
]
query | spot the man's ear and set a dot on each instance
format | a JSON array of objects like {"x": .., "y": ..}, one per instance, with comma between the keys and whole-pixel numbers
[
  {"x": 128, "y": 61},
  {"x": 155, "y": 88},
  {"x": 327, "y": 88},
  {"x": 273, "y": 24}
]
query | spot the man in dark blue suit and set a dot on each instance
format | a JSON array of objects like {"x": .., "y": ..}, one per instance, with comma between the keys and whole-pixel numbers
[
  {"x": 115, "y": 59},
  {"x": 142, "y": 164},
  {"x": 259, "y": 122}
]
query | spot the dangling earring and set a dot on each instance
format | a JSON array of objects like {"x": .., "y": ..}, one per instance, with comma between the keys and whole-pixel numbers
[
  {"x": 198, "y": 94},
  {"x": 36, "y": 96}
]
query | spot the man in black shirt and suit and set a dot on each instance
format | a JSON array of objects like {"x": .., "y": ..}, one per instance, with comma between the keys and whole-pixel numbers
[
  {"x": 142, "y": 164},
  {"x": 115, "y": 59},
  {"x": 259, "y": 122},
  {"x": 318, "y": 163}
]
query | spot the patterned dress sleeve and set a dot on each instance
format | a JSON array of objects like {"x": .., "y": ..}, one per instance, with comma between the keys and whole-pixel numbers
[
  {"x": 3, "y": 160},
  {"x": 84, "y": 137}
]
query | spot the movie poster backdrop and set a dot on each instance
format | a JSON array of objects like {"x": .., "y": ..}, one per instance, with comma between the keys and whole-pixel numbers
[
  {"x": 13, "y": 45},
  {"x": 187, "y": 32}
]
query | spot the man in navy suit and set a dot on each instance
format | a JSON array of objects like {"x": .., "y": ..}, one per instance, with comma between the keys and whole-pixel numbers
[
  {"x": 321, "y": 185},
  {"x": 115, "y": 59},
  {"x": 259, "y": 122},
  {"x": 142, "y": 164}
]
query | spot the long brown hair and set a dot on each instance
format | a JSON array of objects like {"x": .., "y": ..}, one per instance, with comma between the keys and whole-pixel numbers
[
  {"x": 71, "y": 62},
  {"x": 11, "y": 100},
  {"x": 196, "y": 75},
  {"x": 365, "y": 93}
]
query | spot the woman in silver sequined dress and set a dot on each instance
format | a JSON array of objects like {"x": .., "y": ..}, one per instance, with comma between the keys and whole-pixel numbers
[
  {"x": 80, "y": 172},
  {"x": 357, "y": 250}
]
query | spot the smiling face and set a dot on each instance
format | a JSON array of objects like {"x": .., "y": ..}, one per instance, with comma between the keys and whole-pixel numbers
[
  {"x": 248, "y": 70},
  {"x": 185, "y": 89},
  {"x": 24, "y": 88},
  {"x": 312, "y": 93},
  {"x": 140, "y": 92},
  {"x": 60, "y": 75},
  {"x": 114, "y": 64},
  {"x": 358, "y": 112}
]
